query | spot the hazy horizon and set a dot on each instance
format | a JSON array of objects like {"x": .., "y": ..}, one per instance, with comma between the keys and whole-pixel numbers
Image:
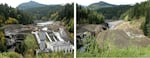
[
  {"x": 62, "y": 2},
  {"x": 116, "y": 2},
  {"x": 15, "y": 3}
]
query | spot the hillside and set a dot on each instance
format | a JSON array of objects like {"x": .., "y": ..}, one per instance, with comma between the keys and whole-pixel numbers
[
  {"x": 124, "y": 34},
  {"x": 10, "y": 15},
  {"x": 140, "y": 10},
  {"x": 100, "y": 4},
  {"x": 113, "y": 12},
  {"x": 128, "y": 38},
  {"x": 39, "y": 10},
  {"x": 28, "y": 5},
  {"x": 87, "y": 16},
  {"x": 110, "y": 11},
  {"x": 57, "y": 12}
]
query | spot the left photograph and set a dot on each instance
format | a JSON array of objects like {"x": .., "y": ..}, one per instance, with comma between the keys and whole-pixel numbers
[{"x": 36, "y": 29}]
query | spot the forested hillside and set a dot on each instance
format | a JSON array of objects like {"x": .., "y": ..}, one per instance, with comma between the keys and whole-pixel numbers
[
  {"x": 65, "y": 15},
  {"x": 51, "y": 12},
  {"x": 137, "y": 12},
  {"x": 87, "y": 16},
  {"x": 113, "y": 12},
  {"x": 43, "y": 12},
  {"x": 97, "y": 12},
  {"x": 100, "y": 4},
  {"x": 30, "y": 4},
  {"x": 9, "y": 15}
]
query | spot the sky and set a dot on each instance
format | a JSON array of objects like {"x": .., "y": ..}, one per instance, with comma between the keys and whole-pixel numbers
[
  {"x": 15, "y": 3},
  {"x": 117, "y": 2}
]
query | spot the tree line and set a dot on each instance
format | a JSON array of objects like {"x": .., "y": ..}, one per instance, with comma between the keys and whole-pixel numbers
[
  {"x": 65, "y": 15},
  {"x": 10, "y": 15},
  {"x": 138, "y": 11},
  {"x": 87, "y": 16},
  {"x": 113, "y": 12}
]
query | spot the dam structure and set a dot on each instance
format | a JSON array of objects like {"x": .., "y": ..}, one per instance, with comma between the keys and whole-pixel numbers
[{"x": 52, "y": 41}]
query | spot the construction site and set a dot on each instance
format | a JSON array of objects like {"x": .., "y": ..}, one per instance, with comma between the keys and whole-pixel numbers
[{"x": 50, "y": 36}]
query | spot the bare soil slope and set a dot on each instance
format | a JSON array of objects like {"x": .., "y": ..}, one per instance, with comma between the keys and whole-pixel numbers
[{"x": 125, "y": 34}]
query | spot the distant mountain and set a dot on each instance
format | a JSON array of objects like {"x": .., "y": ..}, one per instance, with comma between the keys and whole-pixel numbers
[
  {"x": 39, "y": 10},
  {"x": 100, "y": 4},
  {"x": 45, "y": 10},
  {"x": 30, "y": 4}
]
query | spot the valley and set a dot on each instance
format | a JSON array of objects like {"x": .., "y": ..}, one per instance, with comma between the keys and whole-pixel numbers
[
  {"x": 122, "y": 34},
  {"x": 35, "y": 30}
]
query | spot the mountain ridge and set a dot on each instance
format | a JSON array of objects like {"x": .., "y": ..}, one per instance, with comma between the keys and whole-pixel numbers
[
  {"x": 30, "y": 4},
  {"x": 100, "y": 4}
]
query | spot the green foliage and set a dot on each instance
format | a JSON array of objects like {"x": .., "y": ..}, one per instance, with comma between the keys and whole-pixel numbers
[
  {"x": 30, "y": 4},
  {"x": 54, "y": 16},
  {"x": 99, "y": 5},
  {"x": 85, "y": 16},
  {"x": 44, "y": 11},
  {"x": 30, "y": 42},
  {"x": 71, "y": 25},
  {"x": 93, "y": 50},
  {"x": 11, "y": 15},
  {"x": 95, "y": 18},
  {"x": 10, "y": 55},
  {"x": 20, "y": 48},
  {"x": 66, "y": 15},
  {"x": 126, "y": 52},
  {"x": 55, "y": 55},
  {"x": 2, "y": 42},
  {"x": 11, "y": 21},
  {"x": 1, "y": 20},
  {"x": 113, "y": 12},
  {"x": 30, "y": 45},
  {"x": 146, "y": 25},
  {"x": 67, "y": 12},
  {"x": 137, "y": 11}
]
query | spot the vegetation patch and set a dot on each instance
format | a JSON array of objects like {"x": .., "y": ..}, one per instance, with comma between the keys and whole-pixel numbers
[{"x": 93, "y": 50}]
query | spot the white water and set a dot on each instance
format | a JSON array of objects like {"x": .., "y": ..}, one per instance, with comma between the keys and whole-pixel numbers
[{"x": 58, "y": 36}]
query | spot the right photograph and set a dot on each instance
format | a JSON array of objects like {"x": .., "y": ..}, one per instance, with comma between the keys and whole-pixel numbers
[{"x": 113, "y": 28}]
